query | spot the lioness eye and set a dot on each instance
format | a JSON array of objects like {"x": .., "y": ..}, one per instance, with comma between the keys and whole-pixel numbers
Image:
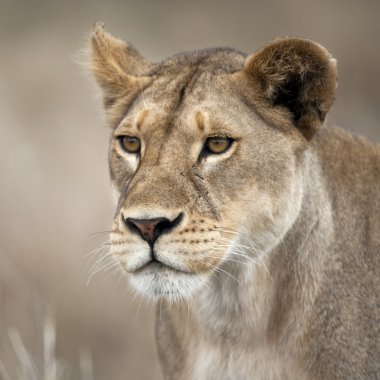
[
  {"x": 130, "y": 144},
  {"x": 218, "y": 144}
]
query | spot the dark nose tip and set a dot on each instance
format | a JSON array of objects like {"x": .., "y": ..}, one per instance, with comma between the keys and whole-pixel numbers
[{"x": 151, "y": 229}]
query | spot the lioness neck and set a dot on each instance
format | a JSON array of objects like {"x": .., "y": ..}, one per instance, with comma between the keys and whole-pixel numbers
[{"x": 257, "y": 303}]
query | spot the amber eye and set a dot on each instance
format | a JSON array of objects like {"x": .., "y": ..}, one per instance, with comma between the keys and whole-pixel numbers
[
  {"x": 218, "y": 144},
  {"x": 130, "y": 144}
]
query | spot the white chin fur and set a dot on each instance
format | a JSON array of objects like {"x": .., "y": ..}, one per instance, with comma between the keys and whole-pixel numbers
[{"x": 166, "y": 284}]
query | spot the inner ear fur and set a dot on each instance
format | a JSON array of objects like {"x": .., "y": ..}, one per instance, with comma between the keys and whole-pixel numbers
[
  {"x": 117, "y": 67},
  {"x": 297, "y": 75}
]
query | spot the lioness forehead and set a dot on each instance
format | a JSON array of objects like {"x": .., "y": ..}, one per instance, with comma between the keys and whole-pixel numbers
[
  {"x": 216, "y": 60},
  {"x": 178, "y": 75},
  {"x": 185, "y": 84}
]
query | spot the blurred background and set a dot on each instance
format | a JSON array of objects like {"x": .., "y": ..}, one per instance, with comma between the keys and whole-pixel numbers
[{"x": 55, "y": 199}]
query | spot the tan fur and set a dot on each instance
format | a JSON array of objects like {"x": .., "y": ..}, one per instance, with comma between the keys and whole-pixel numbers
[{"x": 273, "y": 266}]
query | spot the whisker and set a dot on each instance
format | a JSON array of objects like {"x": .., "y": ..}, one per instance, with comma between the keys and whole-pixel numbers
[
  {"x": 104, "y": 268},
  {"x": 233, "y": 250},
  {"x": 242, "y": 249},
  {"x": 99, "y": 233},
  {"x": 99, "y": 248},
  {"x": 222, "y": 259},
  {"x": 91, "y": 237},
  {"x": 100, "y": 264},
  {"x": 222, "y": 271},
  {"x": 100, "y": 259}
]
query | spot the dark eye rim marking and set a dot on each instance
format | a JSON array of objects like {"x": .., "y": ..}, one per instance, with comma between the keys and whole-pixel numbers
[
  {"x": 121, "y": 140},
  {"x": 206, "y": 151}
]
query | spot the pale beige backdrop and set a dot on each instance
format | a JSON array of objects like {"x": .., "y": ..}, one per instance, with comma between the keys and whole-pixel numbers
[{"x": 54, "y": 188}]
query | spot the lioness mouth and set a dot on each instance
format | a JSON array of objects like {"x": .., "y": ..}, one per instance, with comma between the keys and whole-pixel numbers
[{"x": 155, "y": 266}]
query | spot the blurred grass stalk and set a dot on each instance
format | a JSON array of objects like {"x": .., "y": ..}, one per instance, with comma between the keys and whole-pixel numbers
[
  {"x": 52, "y": 369},
  {"x": 27, "y": 365}
]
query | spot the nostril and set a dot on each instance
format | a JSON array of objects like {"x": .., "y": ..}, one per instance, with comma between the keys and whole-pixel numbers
[
  {"x": 163, "y": 226},
  {"x": 166, "y": 225},
  {"x": 151, "y": 229}
]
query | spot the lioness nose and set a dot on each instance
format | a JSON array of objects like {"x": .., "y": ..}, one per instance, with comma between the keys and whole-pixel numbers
[{"x": 151, "y": 229}]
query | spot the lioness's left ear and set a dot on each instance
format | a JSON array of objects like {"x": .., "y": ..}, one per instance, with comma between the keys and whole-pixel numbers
[{"x": 298, "y": 75}]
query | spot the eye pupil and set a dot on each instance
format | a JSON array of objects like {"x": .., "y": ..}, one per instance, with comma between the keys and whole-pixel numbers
[{"x": 130, "y": 144}]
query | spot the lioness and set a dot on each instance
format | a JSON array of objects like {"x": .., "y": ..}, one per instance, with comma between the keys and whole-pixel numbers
[{"x": 236, "y": 204}]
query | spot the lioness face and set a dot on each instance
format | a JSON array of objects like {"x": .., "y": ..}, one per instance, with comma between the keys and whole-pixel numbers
[
  {"x": 198, "y": 173},
  {"x": 191, "y": 172}
]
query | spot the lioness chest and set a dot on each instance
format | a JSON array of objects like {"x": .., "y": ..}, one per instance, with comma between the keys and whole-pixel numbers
[{"x": 262, "y": 363}]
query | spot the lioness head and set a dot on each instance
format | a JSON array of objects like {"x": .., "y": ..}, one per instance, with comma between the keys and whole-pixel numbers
[{"x": 205, "y": 154}]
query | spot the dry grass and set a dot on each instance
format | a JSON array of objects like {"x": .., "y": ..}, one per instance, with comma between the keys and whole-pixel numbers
[
  {"x": 51, "y": 368},
  {"x": 17, "y": 361}
]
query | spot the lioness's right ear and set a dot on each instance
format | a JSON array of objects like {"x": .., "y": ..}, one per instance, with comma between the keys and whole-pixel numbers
[{"x": 117, "y": 67}]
